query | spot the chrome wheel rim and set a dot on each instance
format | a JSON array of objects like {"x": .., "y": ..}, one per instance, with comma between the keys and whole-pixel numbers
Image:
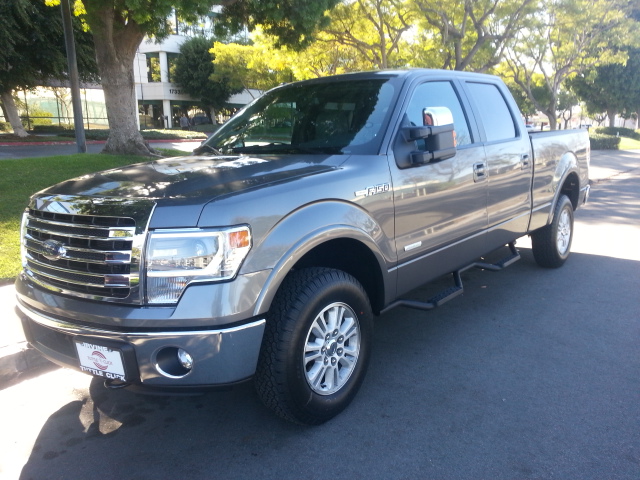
[
  {"x": 564, "y": 232},
  {"x": 331, "y": 349}
]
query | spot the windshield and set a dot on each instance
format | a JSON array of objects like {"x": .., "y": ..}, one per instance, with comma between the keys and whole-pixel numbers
[{"x": 343, "y": 116}]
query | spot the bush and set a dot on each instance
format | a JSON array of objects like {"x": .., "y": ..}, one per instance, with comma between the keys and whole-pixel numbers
[
  {"x": 5, "y": 127},
  {"x": 604, "y": 142},
  {"x": 146, "y": 134},
  {"x": 53, "y": 128},
  {"x": 617, "y": 131}
]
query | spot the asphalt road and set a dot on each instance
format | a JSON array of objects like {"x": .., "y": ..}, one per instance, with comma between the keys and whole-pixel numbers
[{"x": 531, "y": 374}]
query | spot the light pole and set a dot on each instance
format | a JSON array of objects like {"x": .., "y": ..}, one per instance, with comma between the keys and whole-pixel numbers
[{"x": 73, "y": 76}]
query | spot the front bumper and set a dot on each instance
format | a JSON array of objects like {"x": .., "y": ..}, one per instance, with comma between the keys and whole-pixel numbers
[{"x": 221, "y": 356}]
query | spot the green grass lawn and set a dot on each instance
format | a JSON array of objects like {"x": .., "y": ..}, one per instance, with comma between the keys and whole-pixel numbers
[
  {"x": 627, "y": 143},
  {"x": 20, "y": 178}
]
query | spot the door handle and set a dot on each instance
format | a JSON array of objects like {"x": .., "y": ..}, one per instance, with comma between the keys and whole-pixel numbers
[
  {"x": 479, "y": 172},
  {"x": 524, "y": 161}
]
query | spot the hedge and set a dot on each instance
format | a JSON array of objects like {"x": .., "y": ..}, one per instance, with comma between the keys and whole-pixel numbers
[
  {"x": 146, "y": 134},
  {"x": 604, "y": 142},
  {"x": 617, "y": 131}
]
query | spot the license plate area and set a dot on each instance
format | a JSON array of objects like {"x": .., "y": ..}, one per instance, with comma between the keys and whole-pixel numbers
[{"x": 103, "y": 359}]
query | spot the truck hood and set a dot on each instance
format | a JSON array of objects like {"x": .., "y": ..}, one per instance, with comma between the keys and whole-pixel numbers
[
  {"x": 188, "y": 183},
  {"x": 199, "y": 178}
]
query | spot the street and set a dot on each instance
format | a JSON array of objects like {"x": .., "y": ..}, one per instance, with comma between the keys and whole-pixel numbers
[{"x": 531, "y": 374}]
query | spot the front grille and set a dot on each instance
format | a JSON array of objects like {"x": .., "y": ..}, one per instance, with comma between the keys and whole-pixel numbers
[{"x": 89, "y": 255}]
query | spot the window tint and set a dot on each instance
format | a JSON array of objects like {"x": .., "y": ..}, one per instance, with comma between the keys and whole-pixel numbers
[
  {"x": 493, "y": 110},
  {"x": 347, "y": 116},
  {"x": 440, "y": 94}
]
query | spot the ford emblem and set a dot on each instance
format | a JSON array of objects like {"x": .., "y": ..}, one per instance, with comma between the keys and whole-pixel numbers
[{"x": 53, "y": 250}]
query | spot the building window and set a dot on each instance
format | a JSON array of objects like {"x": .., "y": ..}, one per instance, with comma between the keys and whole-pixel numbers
[{"x": 153, "y": 67}]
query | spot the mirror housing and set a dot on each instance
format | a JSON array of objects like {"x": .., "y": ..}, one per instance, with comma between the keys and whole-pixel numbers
[{"x": 439, "y": 137}]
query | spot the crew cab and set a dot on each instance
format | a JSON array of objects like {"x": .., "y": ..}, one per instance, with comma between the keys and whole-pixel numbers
[{"x": 267, "y": 253}]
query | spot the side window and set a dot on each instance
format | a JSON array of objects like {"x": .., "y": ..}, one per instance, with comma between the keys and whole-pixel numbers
[
  {"x": 440, "y": 94},
  {"x": 493, "y": 110}
]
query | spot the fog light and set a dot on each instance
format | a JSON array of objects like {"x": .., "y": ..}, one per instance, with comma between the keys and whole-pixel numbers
[
  {"x": 173, "y": 362},
  {"x": 186, "y": 360}
]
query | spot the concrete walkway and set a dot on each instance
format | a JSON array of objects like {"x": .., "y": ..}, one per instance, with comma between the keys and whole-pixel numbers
[{"x": 18, "y": 360}]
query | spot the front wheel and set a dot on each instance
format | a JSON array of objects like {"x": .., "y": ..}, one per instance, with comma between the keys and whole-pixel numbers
[
  {"x": 316, "y": 346},
  {"x": 551, "y": 245}
]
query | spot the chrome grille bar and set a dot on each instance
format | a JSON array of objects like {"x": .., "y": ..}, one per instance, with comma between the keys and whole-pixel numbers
[{"x": 86, "y": 247}]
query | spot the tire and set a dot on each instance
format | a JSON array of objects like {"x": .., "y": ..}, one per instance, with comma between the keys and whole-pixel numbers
[
  {"x": 316, "y": 346},
  {"x": 551, "y": 245}
]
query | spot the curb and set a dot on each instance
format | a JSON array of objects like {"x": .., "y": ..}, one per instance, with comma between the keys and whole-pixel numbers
[{"x": 21, "y": 361}]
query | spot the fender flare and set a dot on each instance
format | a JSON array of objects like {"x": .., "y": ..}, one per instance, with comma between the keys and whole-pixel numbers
[
  {"x": 567, "y": 165},
  {"x": 311, "y": 226}
]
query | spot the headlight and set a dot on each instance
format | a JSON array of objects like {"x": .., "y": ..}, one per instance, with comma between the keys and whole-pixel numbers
[{"x": 176, "y": 258}]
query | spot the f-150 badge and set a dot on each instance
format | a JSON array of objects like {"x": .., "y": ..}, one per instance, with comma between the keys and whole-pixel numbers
[{"x": 373, "y": 190}]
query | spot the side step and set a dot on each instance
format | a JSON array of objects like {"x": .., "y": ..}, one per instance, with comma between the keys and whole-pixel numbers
[{"x": 457, "y": 289}]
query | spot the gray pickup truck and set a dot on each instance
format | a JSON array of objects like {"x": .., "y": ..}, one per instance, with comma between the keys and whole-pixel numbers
[{"x": 266, "y": 253}]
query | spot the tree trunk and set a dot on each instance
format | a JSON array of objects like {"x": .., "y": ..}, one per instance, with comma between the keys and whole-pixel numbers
[
  {"x": 12, "y": 114},
  {"x": 612, "y": 117},
  {"x": 116, "y": 43},
  {"x": 119, "y": 95},
  {"x": 553, "y": 121}
]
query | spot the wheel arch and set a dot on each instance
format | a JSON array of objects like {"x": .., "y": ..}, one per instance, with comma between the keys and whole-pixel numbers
[
  {"x": 567, "y": 179},
  {"x": 356, "y": 247}
]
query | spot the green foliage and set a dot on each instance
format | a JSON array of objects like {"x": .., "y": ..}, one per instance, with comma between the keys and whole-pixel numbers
[
  {"x": 373, "y": 30},
  {"x": 194, "y": 73},
  {"x": 258, "y": 66},
  {"x": 33, "y": 48},
  {"x": 617, "y": 131},
  {"x": 63, "y": 128},
  {"x": 5, "y": 127},
  {"x": 469, "y": 35},
  {"x": 146, "y": 134},
  {"x": 38, "y": 116},
  {"x": 569, "y": 37},
  {"x": 292, "y": 22},
  {"x": 604, "y": 142},
  {"x": 611, "y": 88}
]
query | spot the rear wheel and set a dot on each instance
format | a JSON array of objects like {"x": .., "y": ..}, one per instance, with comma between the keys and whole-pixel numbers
[
  {"x": 551, "y": 245},
  {"x": 316, "y": 346}
]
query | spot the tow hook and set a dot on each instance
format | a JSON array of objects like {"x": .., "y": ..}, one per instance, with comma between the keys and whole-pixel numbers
[{"x": 114, "y": 384}]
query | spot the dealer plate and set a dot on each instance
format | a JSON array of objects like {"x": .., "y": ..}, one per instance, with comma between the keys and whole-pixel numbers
[{"x": 100, "y": 361}]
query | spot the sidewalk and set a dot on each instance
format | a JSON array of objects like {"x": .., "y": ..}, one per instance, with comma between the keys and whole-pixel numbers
[{"x": 18, "y": 360}]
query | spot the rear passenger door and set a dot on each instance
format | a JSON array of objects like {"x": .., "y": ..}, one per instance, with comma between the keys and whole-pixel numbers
[
  {"x": 440, "y": 207},
  {"x": 509, "y": 163}
]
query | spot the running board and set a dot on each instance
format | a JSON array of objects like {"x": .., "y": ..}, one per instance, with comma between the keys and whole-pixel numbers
[{"x": 457, "y": 289}]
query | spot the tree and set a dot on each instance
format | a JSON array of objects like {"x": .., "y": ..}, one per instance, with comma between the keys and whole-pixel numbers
[
  {"x": 257, "y": 66},
  {"x": 119, "y": 26},
  {"x": 194, "y": 72},
  {"x": 469, "y": 34},
  {"x": 33, "y": 51},
  {"x": 372, "y": 28},
  {"x": 610, "y": 88},
  {"x": 567, "y": 38}
]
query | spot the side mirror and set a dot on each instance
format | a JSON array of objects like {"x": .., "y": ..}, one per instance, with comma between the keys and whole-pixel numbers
[{"x": 438, "y": 136}]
